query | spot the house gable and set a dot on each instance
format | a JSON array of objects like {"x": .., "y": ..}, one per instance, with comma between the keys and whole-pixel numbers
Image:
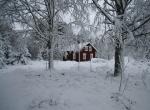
[
  {"x": 76, "y": 47},
  {"x": 87, "y": 48},
  {"x": 87, "y": 51}
]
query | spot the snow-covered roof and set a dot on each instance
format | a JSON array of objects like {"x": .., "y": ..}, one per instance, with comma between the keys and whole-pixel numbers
[{"x": 77, "y": 47}]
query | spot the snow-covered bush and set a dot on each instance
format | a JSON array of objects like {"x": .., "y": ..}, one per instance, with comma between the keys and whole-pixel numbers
[
  {"x": 13, "y": 49},
  {"x": 1, "y": 61},
  {"x": 1, "y": 56},
  {"x": 18, "y": 58},
  {"x": 98, "y": 60}
]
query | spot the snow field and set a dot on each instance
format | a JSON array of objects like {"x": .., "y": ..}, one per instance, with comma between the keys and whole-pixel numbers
[{"x": 33, "y": 87}]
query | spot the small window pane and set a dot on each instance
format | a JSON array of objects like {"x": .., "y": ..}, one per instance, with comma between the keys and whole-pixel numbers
[
  {"x": 84, "y": 56},
  {"x": 90, "y": 48},
  {"x": 86, "y": 48},
  {"x": 91, "y": 55}
]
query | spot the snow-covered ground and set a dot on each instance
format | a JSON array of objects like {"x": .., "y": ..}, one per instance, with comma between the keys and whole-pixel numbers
[{"x": 32, "y": 87}]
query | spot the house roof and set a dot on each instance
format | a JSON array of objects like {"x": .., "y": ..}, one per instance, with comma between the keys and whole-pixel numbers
[{"x": 77, "y": 47}]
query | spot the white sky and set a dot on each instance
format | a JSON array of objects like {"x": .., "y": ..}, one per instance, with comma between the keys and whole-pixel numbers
[{"x": 67, "y": 18}]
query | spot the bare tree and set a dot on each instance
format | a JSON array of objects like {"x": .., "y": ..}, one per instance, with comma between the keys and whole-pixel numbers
[
  {"x": 42, "y": 17},
  {"x": 123, "y": 28}
]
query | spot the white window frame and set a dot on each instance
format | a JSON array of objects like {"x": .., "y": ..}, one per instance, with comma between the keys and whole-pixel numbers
[
  {"x": 74, "y": 55},
  {"x": 84, "y": 56},
  {"x": 86, "y": 48},
  {"x": 90, "y": 48},
  {"x": 91, "y": 55}
]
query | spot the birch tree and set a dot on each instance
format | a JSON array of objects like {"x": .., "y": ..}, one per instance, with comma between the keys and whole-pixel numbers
[
  {"x": 123, "y": 28},
  {"x": 42, "y": 17}
]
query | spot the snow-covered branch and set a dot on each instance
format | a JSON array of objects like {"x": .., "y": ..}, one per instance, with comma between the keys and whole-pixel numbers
[{"x": 103, "y": 11}]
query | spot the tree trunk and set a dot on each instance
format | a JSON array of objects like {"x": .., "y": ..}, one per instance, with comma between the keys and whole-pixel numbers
[
  {"x": 50, "y": 56},
  {"x": 79, "y": 58},
  {"x": 119, "y": 60},
  {"x": 50, "y": 60}
]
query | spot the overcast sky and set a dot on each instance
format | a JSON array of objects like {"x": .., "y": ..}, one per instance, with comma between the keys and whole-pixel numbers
[{"x": 68, "y": 18}]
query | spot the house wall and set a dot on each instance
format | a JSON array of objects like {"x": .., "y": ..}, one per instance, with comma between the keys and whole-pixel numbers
[
  {"x": 70, "y": 54},
  {"x": 87, "y": 54}
]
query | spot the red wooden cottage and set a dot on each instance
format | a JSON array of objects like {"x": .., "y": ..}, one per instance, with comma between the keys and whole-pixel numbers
[{"x": 81, "y": 52}]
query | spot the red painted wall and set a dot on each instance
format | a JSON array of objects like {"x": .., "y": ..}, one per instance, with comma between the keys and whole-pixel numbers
[{"x": 70, "y": 54}]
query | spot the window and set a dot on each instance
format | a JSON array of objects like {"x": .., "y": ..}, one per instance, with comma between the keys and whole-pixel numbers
[
  {"x": 86, "y": 48},
  {"x": 90, "y": 48},
  {"x": 91, "y": 55},
  {"x": 84, "y": 56},
  {"x": 74, "y": 55}
]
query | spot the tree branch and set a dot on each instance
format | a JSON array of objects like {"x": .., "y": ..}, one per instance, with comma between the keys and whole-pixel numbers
[
  {"x": 103, "y": 11},
  {"x": 144, "y": 22}
]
